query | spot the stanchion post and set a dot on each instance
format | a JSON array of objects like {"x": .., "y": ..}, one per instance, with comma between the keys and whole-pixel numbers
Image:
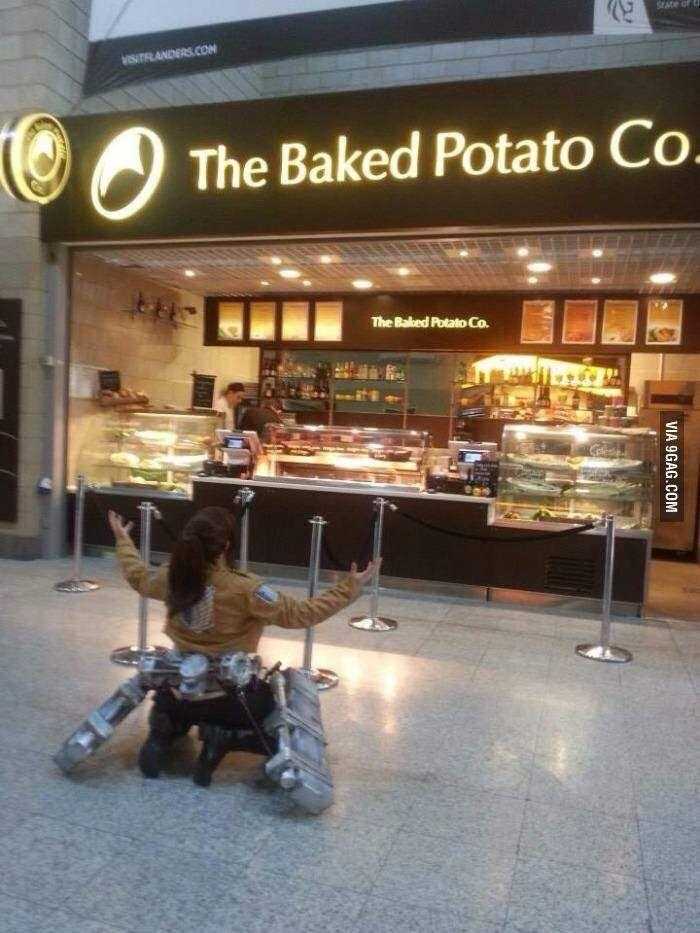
[
  {"x": 244, "y": 499},
  {"x": 323, "y": 678},
  {"x": 604, "y": 651},
  {"x": 131, "y": 656},
  {"x": 374, "y": 622},
  {"x": 76, "y": 583}
]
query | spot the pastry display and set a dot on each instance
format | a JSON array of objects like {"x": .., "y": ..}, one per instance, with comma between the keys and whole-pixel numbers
[{"x": 124, "y": 459}]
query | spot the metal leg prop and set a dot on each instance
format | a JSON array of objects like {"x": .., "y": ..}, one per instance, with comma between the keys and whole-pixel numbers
[
  {"x": 374, "y": 622},
  {"x": 604, "y": 651},
  {"x": 244, "y": 499},
  {"x": 131, "y": 656},
  {"x": 76, "y": 583},
  {"x": 324, "y": 679}
]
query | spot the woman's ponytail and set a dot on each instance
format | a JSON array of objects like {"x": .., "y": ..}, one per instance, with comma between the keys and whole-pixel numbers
[{"x": 207, "y": 536}]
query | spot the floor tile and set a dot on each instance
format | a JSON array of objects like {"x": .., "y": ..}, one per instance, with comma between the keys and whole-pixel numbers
[
  {"x": 674, "y": 908},
  {"x": 460, "y": 876},
  {"x": 670, "y": 850},
  {"x": 549, "y": 897},
  {"x": 581, "y": 837},
  {"x": 17, "y": 916},
  {"x": 383, "y": 916}
]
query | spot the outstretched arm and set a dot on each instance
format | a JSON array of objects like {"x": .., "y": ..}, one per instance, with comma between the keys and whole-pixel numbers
[
  {"x": 141, "y": 578},
  {"x": 272, "y": 608}
]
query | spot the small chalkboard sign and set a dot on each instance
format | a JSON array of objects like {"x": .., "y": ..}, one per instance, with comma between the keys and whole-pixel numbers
[
  {"x": 485, "y": 474},
  {"x": 203, "y": 391},
  {"x": 110, "y": 380}
]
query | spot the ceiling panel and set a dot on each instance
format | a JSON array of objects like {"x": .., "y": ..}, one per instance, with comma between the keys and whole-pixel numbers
[{"x": 489, "y": 263}]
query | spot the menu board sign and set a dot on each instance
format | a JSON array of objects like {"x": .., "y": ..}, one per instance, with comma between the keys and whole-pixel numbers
[
  {"x": 580, "y": 318},
  {"x": 664, "y": 322},
  {"x": 203, "y": 391},
  {"x": 110, "y": 380},
  {"x": 484, "y": 476},
  {"x": 620, "y": 321},
  {"x": 537, "y": 324}
]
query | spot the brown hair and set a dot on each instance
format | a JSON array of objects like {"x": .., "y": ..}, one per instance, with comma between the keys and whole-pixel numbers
[{"x": 206, "y": 536}]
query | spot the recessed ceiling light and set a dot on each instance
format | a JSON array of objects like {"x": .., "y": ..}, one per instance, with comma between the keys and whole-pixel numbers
[
  {"x": 190, "y": 273},
  {"x": 326, "y": 260},
  {"x": 597, "y": 252},
  {"x": 403, "y": 271},
  {"x": 595, "y": 280},
  {"x": 290, "y": 273},
  {"x": 539, "y": 266},
  {"x": 275, "y": 260},
  {"x": 464, "y": 253},
  {"x": 662, "y": 278},
  {"x": 264, "y": 282},
  {"x": 306, "y": 282},
  {"x": 523, "y": 251},
  {"x": 533, "y": 280},
  {"x": 361, "y": 283}
]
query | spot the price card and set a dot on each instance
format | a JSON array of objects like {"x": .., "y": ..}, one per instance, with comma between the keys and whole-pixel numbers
[{"x": 203, "y": 391}]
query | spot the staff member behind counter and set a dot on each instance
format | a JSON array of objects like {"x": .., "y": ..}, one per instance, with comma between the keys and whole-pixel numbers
[
  {"x": 258, "y": 417},
  {"x": 213, "y": 609},
  {"x": 230, "y": 405}
]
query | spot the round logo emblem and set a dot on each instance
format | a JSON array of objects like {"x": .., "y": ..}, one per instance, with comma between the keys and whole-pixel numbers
[
  {"x": 127, "y": 173},
  {"x": 35, "y": 158}
]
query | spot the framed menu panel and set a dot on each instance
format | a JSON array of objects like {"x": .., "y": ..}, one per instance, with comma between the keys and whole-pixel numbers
[
  {"x": 262, "y": 320},
  {"x": 231, "y": 320},
  {"x": 537, "y": 322},
  {"x": 295, "y": 320},
  {"x": 329, "y": 321},
  {"x": 580, "y": 316},
  {"x": 620, "y": 321},
  {"x": 664, "y": 322}
]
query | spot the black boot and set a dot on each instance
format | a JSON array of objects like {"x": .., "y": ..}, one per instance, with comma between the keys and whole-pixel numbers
[
  {"x": 216, "y": 743},
  {"x": 163, "y": 732}
]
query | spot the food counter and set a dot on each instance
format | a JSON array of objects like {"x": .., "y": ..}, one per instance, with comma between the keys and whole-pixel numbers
[{"x": 551, "y": 480}]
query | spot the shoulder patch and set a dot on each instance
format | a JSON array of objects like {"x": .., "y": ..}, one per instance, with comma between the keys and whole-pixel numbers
[{"x": 267, "y": 594}]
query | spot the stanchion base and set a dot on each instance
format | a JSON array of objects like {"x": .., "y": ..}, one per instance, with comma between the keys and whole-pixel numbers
[
  {"x": 604, "y": 653},
  {"x": 323, "y": 678},
  {"x": 368, "y": 624},
  {"x": 130, "y": 657},
  {"x": 76, "y": 586}
]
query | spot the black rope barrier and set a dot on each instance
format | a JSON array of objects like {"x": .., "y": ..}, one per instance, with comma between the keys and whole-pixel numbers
[
  {"x": 515, "y": 539},
  {"x": 364, "y": 554}
]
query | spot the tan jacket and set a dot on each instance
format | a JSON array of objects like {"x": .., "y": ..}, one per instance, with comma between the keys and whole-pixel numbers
[{"x": 243, "y": 605}]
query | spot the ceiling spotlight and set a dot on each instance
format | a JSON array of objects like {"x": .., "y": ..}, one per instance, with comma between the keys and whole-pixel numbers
[
  {"x": 532, "y": 280},
  {"x": 597, "y": 252},
  {"x": 523, "y": 251},
  {"x": 361, "y": 283},
  {"x": 326, "y": 260},
  {"x": 539, "y": 266},
  {"x": 306, "y": 282},
  {"x": 403, "y": 271},
  {"x": 190, "y": 273},
  {"x": 595, "y": 280},
  {"x": 662, "y": 278},
  {"x": 264, "y": 282},
  {"x": 464, "y": 253},
  {"x": 290, "y": 273},
  {"x": 275, "y": 260}
]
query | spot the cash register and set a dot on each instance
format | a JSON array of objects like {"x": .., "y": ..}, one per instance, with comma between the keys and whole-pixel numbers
[{"x": 235, "y": 454}]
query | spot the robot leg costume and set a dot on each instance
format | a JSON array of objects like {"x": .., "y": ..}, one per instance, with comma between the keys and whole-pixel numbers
[
  {"x": 300, "y": 766},
  {"x": 99, "y": 726}
]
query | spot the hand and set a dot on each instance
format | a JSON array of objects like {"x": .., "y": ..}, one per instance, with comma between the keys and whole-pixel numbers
[
  {"x": 365, "y": 575},
  {"x": 120, "y": 529}
]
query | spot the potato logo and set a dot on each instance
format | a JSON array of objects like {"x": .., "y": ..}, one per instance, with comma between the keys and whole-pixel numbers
[
  {"x": 35, "y": 158},
  {"x": 127, "y": 173}
]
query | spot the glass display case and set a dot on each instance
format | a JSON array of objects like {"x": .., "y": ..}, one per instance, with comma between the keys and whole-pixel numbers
[
  {"x": 364, "y": 455},
  {"x": 155, "y": 450},
  {"x": 575, "y": 474}
]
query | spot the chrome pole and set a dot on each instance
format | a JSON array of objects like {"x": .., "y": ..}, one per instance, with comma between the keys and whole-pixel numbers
[
  {"x": 244, "y": 499},
  {"x": 323, "y": 678},
  {"x": 374, "y": 622},
  {"x": 131, "y": 656},
  {"x": 75, "y": 583},
  {"x": 604, "y": 651}
]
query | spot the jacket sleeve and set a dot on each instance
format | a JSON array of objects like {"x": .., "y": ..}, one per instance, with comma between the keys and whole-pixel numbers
[
  {"x": 268, "y": 606},
  {"x": 146, "y": 582}
]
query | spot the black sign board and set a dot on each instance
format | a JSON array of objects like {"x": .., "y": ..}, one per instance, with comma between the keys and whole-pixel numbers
[
  {"x": 671, "y": 466},
  {"x": 593, "y": 148},
  {"x": 110, "y": 380},
  {"x": 203, "y": 391},
  {"x": 10, "y": 317},
  {"x": 484, "y": 475}
]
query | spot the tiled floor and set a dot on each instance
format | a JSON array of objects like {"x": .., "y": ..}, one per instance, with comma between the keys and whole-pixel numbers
[{"x": 487, "y": 780}]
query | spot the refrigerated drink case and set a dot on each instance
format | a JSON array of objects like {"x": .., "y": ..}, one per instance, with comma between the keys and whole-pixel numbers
[{"x": 680, "y": 534}]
